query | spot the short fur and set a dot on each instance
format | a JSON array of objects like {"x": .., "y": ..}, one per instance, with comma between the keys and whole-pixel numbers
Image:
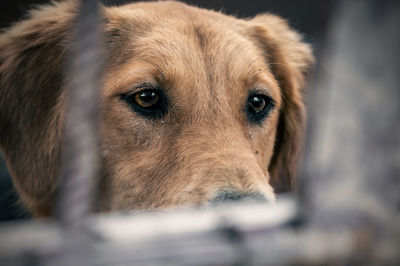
[{"x": 206, "y": 61}]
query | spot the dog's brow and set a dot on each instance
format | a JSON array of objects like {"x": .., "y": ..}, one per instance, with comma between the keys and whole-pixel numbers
[
  {"x": 254, "y": 60},
  {"x": 157, "y": 67},
  {"x": 162, "y": 52},
  {"x": 253, "y": 72}
]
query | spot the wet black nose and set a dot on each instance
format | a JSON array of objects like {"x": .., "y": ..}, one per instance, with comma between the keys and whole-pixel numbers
[{"x": 234, "y": 196}]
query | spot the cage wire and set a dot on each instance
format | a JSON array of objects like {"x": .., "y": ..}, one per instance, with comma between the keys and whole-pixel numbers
[
  {"x": 81, "y": 140},
  {"x": 351, "y": 212}
]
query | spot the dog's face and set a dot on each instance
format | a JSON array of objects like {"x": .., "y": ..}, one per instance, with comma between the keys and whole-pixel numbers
[{"x": 196, "y": 106}]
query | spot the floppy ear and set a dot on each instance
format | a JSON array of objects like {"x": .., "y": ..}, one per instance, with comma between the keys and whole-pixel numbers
[
  {"x": 31, "y": 100},
  {"x": 289, "y": 59}
]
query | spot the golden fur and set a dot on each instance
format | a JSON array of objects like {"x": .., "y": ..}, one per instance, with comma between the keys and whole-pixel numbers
[{"x": 207, "y": 63}]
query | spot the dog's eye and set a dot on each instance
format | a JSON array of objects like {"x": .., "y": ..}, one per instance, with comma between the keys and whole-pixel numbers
[
  {"x": 257, "y": 104},
  {"x": 150, "y": 103},
  {"x": 146, "y": 98},
  {"x": 258, "y": 107}
]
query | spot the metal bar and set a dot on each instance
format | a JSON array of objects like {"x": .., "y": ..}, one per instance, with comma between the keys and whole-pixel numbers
[
  {"x": 81, "y": 140},
  {"x": 354, "y": 156},
  {"x": 209, "y": 236}
]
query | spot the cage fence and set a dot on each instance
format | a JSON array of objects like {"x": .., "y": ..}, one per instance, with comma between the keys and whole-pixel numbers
[{"x": 347, "y": 212}]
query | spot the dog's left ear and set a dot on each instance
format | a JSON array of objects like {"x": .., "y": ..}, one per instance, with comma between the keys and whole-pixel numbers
[
  {"x": 32, "y": 54},
  {"x": 289, "y": 59}
]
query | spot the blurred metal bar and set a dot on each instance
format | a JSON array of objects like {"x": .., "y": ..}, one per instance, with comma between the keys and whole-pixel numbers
[
  {"x": 219, "y": 235},
  {"x": 81, "y": 139},
  {"x": 353, "y": 164},
  {"x": 354, "y": 155}
]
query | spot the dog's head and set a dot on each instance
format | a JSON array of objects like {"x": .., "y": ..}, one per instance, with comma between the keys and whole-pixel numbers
[{"x": 196, "y": 106}]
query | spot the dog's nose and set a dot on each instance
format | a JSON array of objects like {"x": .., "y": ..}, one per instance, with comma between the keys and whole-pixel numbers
[{"x": 233, "y": 196}]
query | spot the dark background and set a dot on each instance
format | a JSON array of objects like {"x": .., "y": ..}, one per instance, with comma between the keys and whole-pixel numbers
[{"x": 310, "y": 17}]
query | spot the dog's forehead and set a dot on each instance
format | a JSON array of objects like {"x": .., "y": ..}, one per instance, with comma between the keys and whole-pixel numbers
[{"x": 191, "y": 49}]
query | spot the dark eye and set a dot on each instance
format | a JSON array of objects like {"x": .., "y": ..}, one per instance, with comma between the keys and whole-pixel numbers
[
  {"x": 146, "y": 98},
  {"x": 150, "y": 103},
  {"x": 258, "y": 107}
]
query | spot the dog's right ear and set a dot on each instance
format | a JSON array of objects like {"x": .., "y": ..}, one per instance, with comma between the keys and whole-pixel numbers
[{"x": 31, "y": 101}]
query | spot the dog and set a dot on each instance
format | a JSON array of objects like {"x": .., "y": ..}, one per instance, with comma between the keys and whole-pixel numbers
[{"x": 197, "y": 107}]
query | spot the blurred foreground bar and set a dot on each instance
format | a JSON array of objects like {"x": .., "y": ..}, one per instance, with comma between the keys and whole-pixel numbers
[
  {"x": 212, "y": 236},
  {"x": 81, "y": 138},
  {"x": 352, "y": 172}
]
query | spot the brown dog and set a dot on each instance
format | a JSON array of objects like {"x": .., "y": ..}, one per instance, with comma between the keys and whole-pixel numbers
[{"x": 197, "y": 106}]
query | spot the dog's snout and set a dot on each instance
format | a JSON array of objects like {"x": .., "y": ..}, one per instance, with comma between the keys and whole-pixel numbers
[{"x": 234, "y": 196}]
